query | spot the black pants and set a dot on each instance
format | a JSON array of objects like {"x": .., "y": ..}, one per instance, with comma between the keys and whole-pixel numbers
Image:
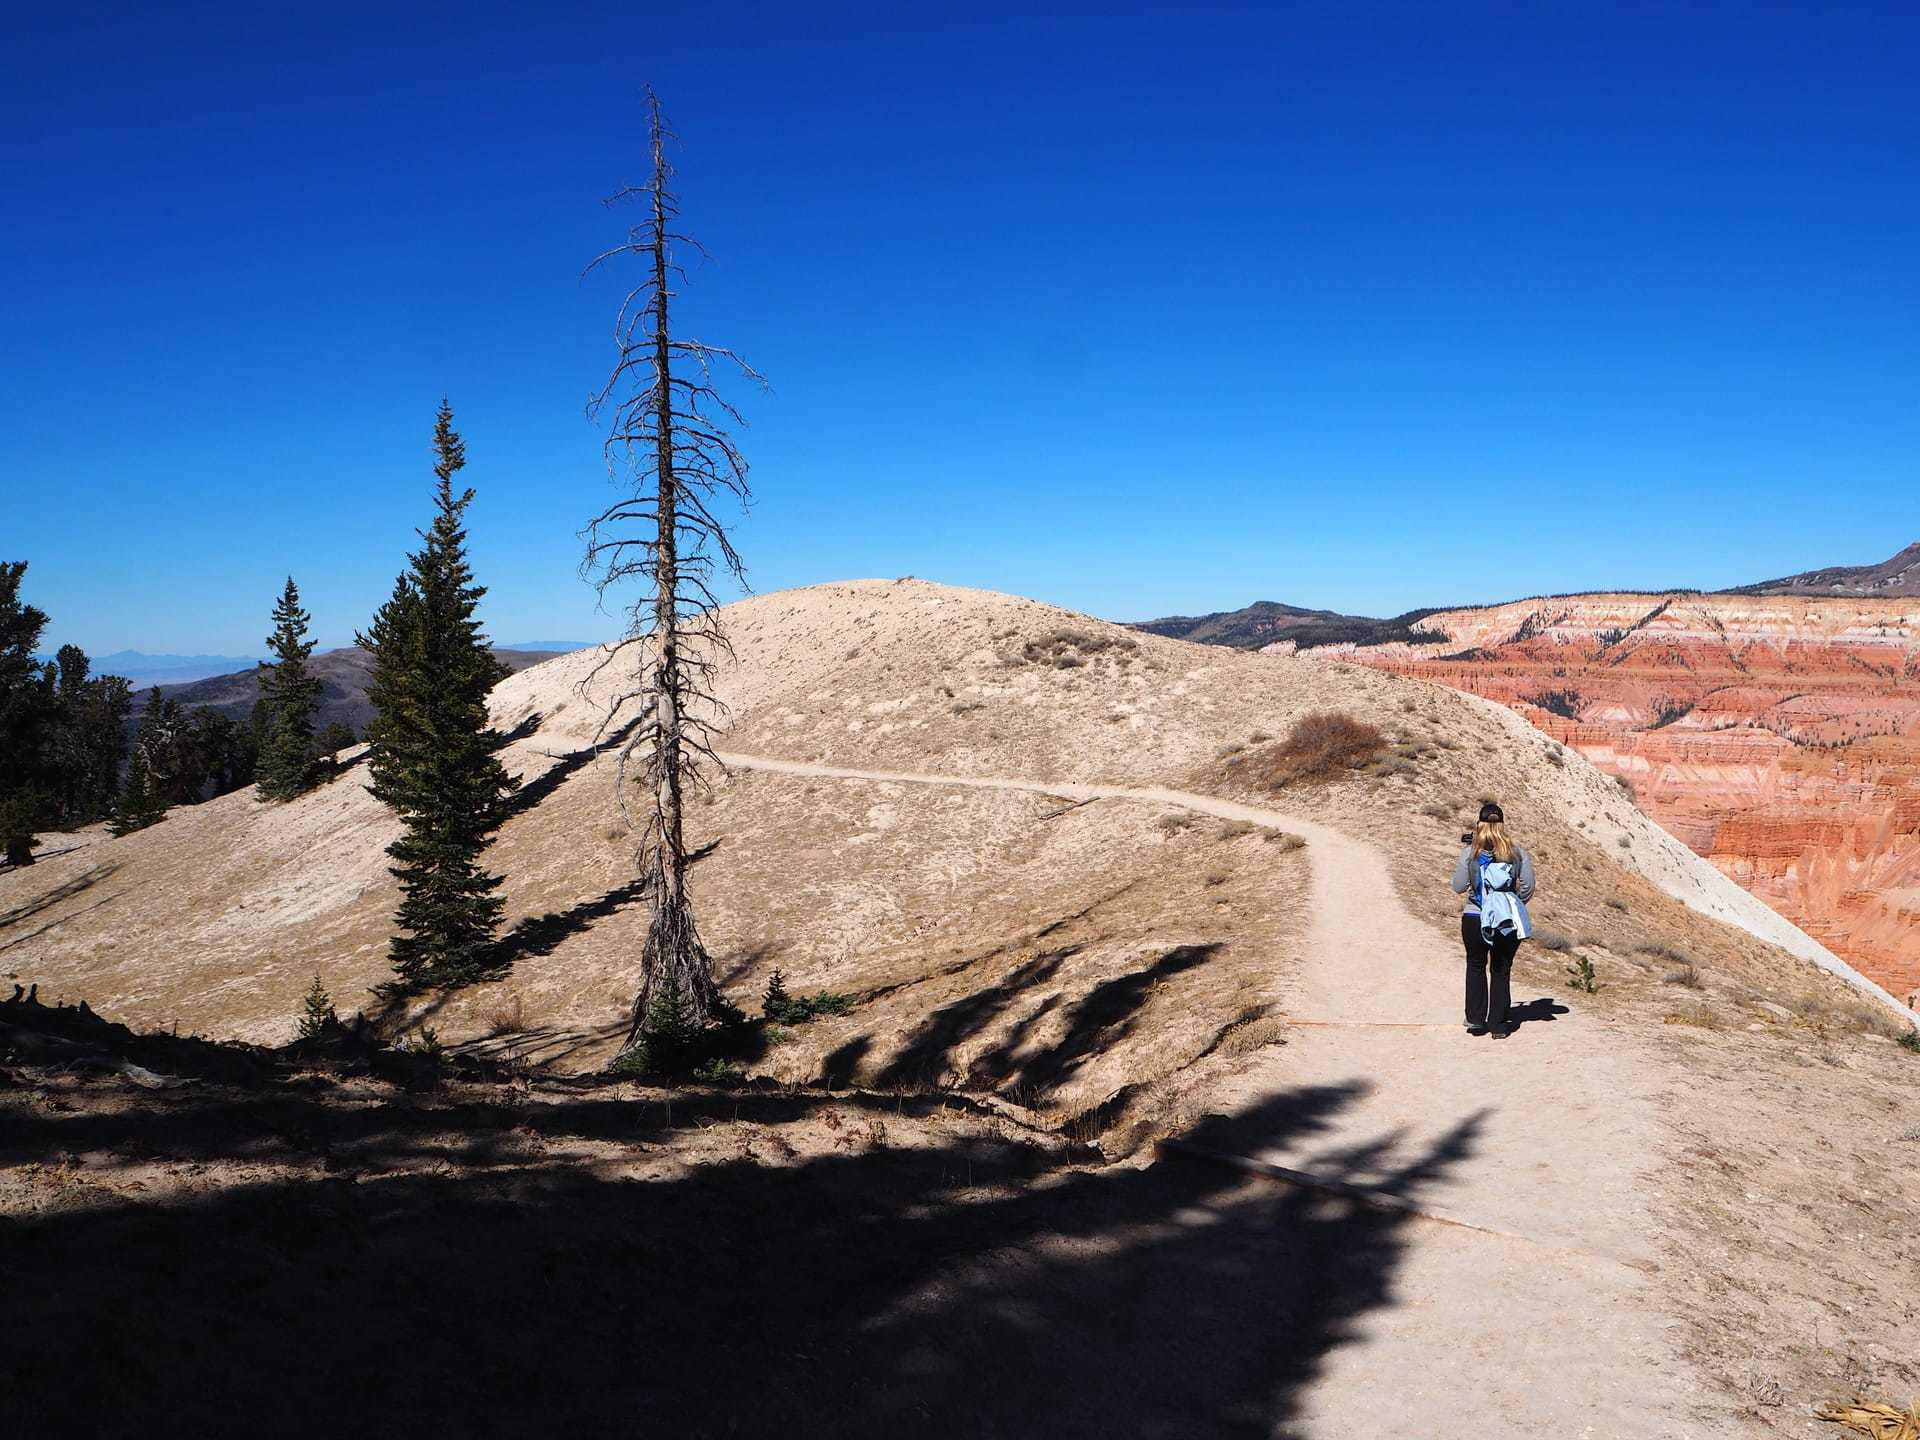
[{"x": 1487, "y": 1005}]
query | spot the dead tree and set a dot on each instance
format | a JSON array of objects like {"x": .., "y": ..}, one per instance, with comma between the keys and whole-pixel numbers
[{"x": 669, "y": 451}]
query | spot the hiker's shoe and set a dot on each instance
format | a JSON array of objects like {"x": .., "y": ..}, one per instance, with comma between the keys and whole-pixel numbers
[
  {"x": 1502, "y": 1033},
  {"x": 1473, "y": 1029}
]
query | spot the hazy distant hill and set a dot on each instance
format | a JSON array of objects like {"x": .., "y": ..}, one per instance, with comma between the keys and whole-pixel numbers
[
  {"x": 1894, "y": 579},
  {"x": 144, "y": 670},
  {"x": 343, "y": 686}
]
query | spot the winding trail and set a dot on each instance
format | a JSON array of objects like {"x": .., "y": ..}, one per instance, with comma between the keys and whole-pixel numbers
[{"x": 1534, "y": 1310}]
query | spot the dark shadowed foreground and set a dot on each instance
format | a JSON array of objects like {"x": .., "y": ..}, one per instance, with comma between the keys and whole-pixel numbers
[{"x": 310, "y": 1251}]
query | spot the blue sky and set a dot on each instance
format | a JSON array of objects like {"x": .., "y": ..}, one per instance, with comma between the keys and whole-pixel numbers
[{"x": 1134, "y": 309}]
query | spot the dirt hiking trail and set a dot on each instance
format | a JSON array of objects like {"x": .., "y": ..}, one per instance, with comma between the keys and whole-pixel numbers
[{"x": 1534, "y": 1311}]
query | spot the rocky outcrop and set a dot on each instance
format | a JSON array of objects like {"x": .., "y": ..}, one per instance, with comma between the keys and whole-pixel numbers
[{"x": 1778, "y": 736}]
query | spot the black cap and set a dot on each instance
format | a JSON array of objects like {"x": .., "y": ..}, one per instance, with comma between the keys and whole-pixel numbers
[{"x": 1492, "y": 814}]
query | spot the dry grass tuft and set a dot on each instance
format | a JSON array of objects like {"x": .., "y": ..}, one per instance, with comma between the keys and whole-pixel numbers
[
  {"x": 1326, "y": 745},
  {"x": 506, "y": 1016},
  {"x": 1251, "y": 1035}
]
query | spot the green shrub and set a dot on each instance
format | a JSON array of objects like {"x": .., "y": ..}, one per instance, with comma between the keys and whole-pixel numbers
[
  {"x": 672, "y": 1043},
  {"x": 427, "y": 1043},
  {"x": 783, "y": 1008},
  {"x": 1580, "y": 975},
  {"x": 1910, "y": 1041}
]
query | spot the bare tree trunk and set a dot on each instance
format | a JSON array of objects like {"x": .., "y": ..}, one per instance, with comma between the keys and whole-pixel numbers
[{"x": 669, "y": 435}]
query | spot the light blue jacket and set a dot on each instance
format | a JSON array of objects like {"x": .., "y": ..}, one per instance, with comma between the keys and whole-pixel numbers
[
  {"x": 1502, "y": 912},
  {"x": 1466, "y": 878}
]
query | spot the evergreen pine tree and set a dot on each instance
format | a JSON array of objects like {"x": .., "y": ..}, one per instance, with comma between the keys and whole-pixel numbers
[
  {"x": 316, "y": 1011},
  {"x": 29, "y": 797},
  {"x": 138, "y": 807},
  {"x": 292, "y": 695},
  {"x": 143, "y": 799},
  {"x": 432, "y": 755}
]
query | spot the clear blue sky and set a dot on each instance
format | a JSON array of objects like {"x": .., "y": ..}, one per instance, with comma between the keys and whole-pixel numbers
[{"x": 1137, "y": 310}]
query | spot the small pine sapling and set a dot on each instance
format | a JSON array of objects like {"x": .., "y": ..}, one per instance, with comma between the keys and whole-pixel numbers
[
  {"x": 317, "y": 1014},
  {"x": 783, "y": 1008},
  {"x": 1580, "y": 975}
]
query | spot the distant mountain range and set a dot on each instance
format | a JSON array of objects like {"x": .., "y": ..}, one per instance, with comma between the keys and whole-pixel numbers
[
  {"x": 144, "y": 669},
  {"x": 343, "y": 686},
  {"x": 1267, "y": 622}
]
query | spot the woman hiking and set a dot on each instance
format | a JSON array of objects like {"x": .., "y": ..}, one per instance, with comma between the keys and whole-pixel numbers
[{"x": 1492, "y": 950}]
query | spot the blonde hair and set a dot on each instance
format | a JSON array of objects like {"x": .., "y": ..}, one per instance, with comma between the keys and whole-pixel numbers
[{"x": 1490, "y": 838}]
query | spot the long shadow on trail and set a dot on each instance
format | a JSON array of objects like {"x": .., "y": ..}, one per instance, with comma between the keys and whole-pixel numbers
[{"x": 979, "y": 1288}]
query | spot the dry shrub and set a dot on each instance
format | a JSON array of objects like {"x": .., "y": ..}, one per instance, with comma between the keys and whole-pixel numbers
[
  {"x": 1236, "y": 829},
  {"x": 506, "y": 1016},
  {"x": 1687, "y": 977},
  {"x": 1286, "y": 840},
  {"x": 1552, "y": 940},
  {"x": 1175, "y": 823},
  {"x": 1875, "y": 1419},
  {"x": 1218, "y": 877},
  {"x": 1251, "y": 1035},
  {"x": 1067, "y": 649},
  {"x": 1699, "y": 1017},
  {"x": 1326, "y": 745},
  {"x": 1435, "y": 810}
]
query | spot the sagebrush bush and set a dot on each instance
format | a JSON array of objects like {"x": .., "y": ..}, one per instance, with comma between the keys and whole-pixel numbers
[{"x": 1323, "y": 746}]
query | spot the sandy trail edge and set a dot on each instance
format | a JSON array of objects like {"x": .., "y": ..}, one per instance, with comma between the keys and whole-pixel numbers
[{"x": 1537, "y": 1307}]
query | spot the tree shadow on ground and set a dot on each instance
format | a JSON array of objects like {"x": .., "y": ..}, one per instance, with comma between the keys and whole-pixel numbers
[
  {"x": 1090, "y": 1025},
  {"x": 54, "y": 894},
  {"x": 532, "y": 792},
  {"x": 458, "y": 1271},
  {"x": 540, "y": 934}
]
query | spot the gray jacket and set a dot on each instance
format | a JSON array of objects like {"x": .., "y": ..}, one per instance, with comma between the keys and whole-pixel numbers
[{"x": 1463, "y": 878}]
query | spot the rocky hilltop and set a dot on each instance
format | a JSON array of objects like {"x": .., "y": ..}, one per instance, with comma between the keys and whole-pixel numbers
[
  {"x": 343, "y": 676},
  {"x": 1778, "y": 735},
  {"x": 1891, "y": 579}
]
